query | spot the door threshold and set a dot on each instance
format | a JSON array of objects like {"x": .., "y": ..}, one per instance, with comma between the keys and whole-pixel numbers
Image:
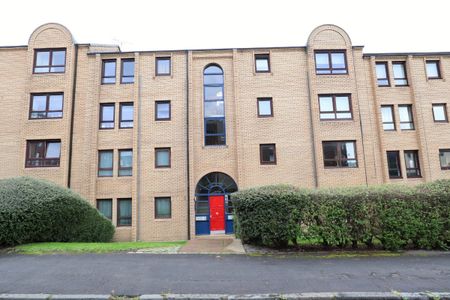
[{"x": 213, "y": 232}]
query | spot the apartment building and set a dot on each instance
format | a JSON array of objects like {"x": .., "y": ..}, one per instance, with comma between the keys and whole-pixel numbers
[{"x": 157, "y": 140}]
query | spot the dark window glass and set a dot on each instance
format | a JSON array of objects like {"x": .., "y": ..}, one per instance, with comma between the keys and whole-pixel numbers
[
  {"x": 265, "y": 107},
  {"x": 124, "y": 212},
  {"x": 43, "y": 153},
  {"x": 162, "y": 157},
  {"x": 201, "y": 205},
  {"x": 440, "y": 112},
  {"x": 406, "y": 117},
  {"x": 50, "y": 61},
  {"x": 412, "y": 163},
  {"x": 335, "y": 107},
  {"x": 393, "y": 160},
  {"x": 214, "y": 108},
  {"x": 387, "y": 116},
  {"x": 127, "y": 71},
  {"x": 330, "y": 62},
  {"x": 433, "y": 69},
  {"x": 46, "y": 106},
  {"x": 162, "y": 110},
  {"x": 444, "y": 158},
  {"x": 126, "y": 162},
  {"x": 262, "y": 62},
  {"x": 126, "y": 115},
  {"x": 107, "y": 115},
  {"x": 340, "y": 154},
  {"x": 382, "y": 74},
  {"x": 109, "y": 71},
  {"x": 163, "y": 66},
  {"x": 104, "y": 206},
  {"x": 267, "y": 154},
  {"x": 105, "y": 163},
  {"x": 163, "y": 208},
  {"x": 400, "y": 78}
]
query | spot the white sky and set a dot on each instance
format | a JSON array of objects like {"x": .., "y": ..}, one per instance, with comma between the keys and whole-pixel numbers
[{"x": 379, "y": 25}]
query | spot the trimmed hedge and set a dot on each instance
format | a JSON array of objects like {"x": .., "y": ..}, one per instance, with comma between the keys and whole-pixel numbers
[
  {"x": 394, "y": 215},
  {"x": 33, "y": 210}
]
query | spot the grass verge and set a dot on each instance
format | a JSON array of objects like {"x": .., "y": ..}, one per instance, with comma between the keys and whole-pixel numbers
[{"x": 49, "y": 248}]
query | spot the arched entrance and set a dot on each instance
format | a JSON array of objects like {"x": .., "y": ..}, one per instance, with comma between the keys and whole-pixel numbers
[{"x": 213, "y": 206}]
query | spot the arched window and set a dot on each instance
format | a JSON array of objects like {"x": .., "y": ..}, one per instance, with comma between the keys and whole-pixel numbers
[{"x": 214, "y": 109}]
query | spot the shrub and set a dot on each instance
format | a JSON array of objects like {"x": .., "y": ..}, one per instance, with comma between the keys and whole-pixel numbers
[
  {"x": 397, "y": 216},
  {"x": 33, "y": 210}
]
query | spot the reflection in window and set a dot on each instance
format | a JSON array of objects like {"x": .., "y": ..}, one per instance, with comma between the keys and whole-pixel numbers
[
  {"x": 335, "y": 107},
  {"x": 125, "y": 162},
  {"x": 440, "y": 112},
  {"x": 406, "y": 117},
  {"x": 393, "y": 160},
  {"x": 214, "y": 109},
  {"x": 387, "y": 117},
  {"x": 162, "y": 110},
  {"x": 126, "y": 115},
  {"x": 265, "y": 107},
  {"x": 331, "y": 62},
  {"x": 412, "y": 163},
  {"x": 127, "y": 71},
  {"x": 50, "y": 61},
  {"x": 267, "y": 154},
  {"x": 162, "y": 157},
  {"x": 105, "y": 163},
  {"x": 382, "y": 74},
  {"x": 340, "y": 154},
  {"x": 400, "y": 78},
  {"x": 44, "y": 153},
  {"x": 124, "y": 212},
  {"x": 104, "y": 206},
  {"x": 162, "y": 66},
  {"x": 109, "y": 71},
  {"x": 107, "y": 116},
  {"x": 262, "y": 63},
  {"x": 444, "y": 158},
  {"x": 433, "y": 70},
  {"x": 163, "y": 208},
  {"x": 46, "y": 106}
]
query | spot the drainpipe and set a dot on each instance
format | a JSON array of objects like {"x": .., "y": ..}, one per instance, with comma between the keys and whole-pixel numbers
[
  {"x": 138, "y": 154},
  {"x": 72, "y": 114},
  {"x": 188, "y": 175}
]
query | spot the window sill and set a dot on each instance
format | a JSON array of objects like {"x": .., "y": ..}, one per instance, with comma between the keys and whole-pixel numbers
[
  {"x": 441, "y": 122},
  {"x": 162, "y": 219},
  {"x": 215, "y": 147},
  {"x": 414, "y": 177},
  {"x": 122, "y": 227},
  {"x": 336, "y": 120},
  {"x": 45, "y": 119}
]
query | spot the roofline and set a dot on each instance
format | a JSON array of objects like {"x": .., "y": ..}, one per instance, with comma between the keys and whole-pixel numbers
[
  {"x": 443, "y": 53},
  {"x": 13, "y": 47}
]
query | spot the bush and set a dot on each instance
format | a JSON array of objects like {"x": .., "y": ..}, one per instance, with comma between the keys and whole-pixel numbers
[
  {"x": 394, "y": 215},
  {"x": 33, "y": 210}
]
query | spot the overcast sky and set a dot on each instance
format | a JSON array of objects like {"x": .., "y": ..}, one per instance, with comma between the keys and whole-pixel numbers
[{"x": 380, "y": 26}]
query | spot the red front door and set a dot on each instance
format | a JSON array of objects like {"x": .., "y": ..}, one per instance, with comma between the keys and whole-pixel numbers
[{"x": 217, "y": 213}]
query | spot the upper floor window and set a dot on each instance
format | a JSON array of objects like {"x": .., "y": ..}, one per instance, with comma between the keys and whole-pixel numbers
[
  {"x": 162, "y": 157},
  {"x": 109, "y": 71},
  {"x": 163, "y": 66},
  {"x": 126, "y": 115},
  {"x": 406, "y": 117},
  {"x": 387, "y": 117},
  {"x": 49, "y": 61},
  {"x": 105, "y": 163},
  {"x": 440, "y": 112},
  {"x": 214, "y": 108},
  {"x": 382, "y": 74},
  {"x": 267, "y": 154},
  {"x": 127, "y": 71},
  {"x": 433, "y": 69},
  {"x": 43, "y": 153},
  {"x": 107, "y": 115},
  {"x": 265, "y": 107},
  {"x": 162, "y": 110},
  {"x": 125, "y": 162},
  {"x": 262, "y": 63},
  {"x": 331, "y": 62},
  {"x": 340, "y": 154},
  {"x": 104, "y": 206},
  {"x": 393, "y": 160},
  {"x": 400, "y": 78},
  {"x": 444, "y": 158},
  {"x": 335, "y": 107},
  {"x": 46, "y": 106},
  {"x": 412, "y": 163}
]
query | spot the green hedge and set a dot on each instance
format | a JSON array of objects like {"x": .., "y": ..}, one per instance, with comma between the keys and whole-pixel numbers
[
  {"x": 394, "y": 215},
  {"x": 33, "y": 210}
]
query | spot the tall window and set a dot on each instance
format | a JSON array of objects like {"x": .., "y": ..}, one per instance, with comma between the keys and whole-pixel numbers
[
  {"x": 162, "y": 157},
  {"x": 335, "y": 107},
  {"x": 46, "y": 106},
  {"x": 107, "y": 116},
  {"x": 43, "y": 153},
  {"x": 400, "y": 78},
  {"x": 104, "y": 206},
  {"x": 124, "y": 212},
  {"x": 267, "y": 154},
  {"x": 163, "y": 208},
  {"x": 162, "y": 110},
  {"x": 50, "y": 61},
  {"x": 105, "y": 163},
  {"x": 444, "y": 158},
  {"x": 265, "y": 107},
  {"x": 109, "y": 71},
  {"x": 340, "y": 154},
  {"x": 387, "y": 116},
  {"x": 331, "y": 62},
  {"x": 127, "y": 71},
  {"x": 125, "y": 162},
  {"x": 412, "y": 163},
  {"x": 262, "y": 63},
  {"x": 162, "y": 66},
  {"x": 406, "y": 117},
  {"x": 126, "y": 115},
  {"x": 214, "y": 109},
  {"x": 440, "y": 112},
  {"x": 433, "y": 69},
  {"x": 382, "y": 74},
  {"x": 393, "y": 160}
]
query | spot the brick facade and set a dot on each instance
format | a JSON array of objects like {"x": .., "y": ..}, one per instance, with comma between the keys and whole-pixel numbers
[{"x": 295, "y": 127}]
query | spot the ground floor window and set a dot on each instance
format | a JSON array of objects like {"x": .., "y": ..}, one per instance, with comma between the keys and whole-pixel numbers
[
  {"x": 393, "y": 160},
  {"x": 163, "y": 209},
  {"x": 104, "y": 206},
  {"x": 43, "y": 153},
  {"x": 124, "y": 212},
  {"x": 340, "y": 154},
  {"x": 412, "y": 163},
  {"x": 444, "y": 157}
]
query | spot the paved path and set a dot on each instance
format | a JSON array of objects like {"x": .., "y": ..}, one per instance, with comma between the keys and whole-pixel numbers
[
  {"x": 134, "y": 274},
  {"x": 221, "y": 244}
]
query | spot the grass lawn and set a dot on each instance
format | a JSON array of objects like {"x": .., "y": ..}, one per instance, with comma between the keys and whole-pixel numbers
[{"x": 47, "y": 248}]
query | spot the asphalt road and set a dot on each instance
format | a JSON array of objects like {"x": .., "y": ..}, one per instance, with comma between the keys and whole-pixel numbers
[{"x": 135, "y": 274}]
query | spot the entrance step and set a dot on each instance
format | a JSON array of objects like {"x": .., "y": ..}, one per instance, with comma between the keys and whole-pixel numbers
[{"x": 213, "y": 244}]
